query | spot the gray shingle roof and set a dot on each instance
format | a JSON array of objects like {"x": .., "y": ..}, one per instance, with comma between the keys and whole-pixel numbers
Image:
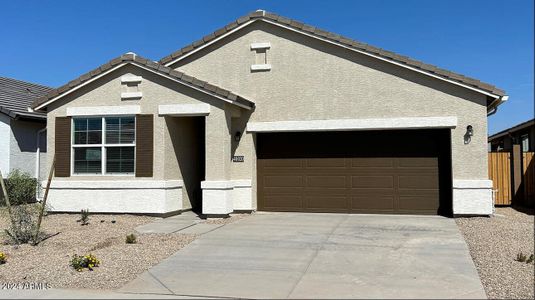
[
  {"x": 308, "y": 29},
  {"x": 154, "y": 66},
  {"x": 16, "y": 96},
  {"x": 512, "y": 129}
]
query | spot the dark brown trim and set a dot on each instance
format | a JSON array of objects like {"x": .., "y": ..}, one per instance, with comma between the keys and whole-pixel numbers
[
  {"x": 62, "y": 146},
  {"x": 144, "y": 145}
]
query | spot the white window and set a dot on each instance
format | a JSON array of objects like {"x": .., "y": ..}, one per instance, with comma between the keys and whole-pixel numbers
[
  {"x": 103, "y": 145},
  {"x": 525, "y": 142}
]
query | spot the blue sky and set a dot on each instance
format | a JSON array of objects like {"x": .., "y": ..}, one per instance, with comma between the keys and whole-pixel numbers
[{"x": 52, "y": 42}]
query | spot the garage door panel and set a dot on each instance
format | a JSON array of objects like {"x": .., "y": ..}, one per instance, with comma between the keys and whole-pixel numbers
[
  {"x": 326, "y": 181},
  {"x": 282, "y": 163},
  {"x": 418, "y": 182},
  {"x": 418, "y": 202},
  {"x": 371, "y": 182},
  {"x": 282, "y": 181},
  {"x": 372, "y": 162},
  {"x": 284, "y": 202},
  {"x": 363, "y": 203},
  {"x": 418, "y": 162},
  {"x": 327, "y": 203},
  {"x": 335, "y": 163}
]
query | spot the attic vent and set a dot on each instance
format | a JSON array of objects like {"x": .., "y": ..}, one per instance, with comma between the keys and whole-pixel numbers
[
  {"x": 130, "y": 87},
  {"x": 261, "y": 58}
]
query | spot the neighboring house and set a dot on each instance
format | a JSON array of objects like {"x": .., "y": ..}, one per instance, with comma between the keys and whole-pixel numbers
[
  {"x": 22, "y": 133},
  {"x": 523, "y": 134},
  {"x": 270, "y": 114}
]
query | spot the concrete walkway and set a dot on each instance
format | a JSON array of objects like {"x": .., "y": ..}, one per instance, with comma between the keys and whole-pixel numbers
[
  {"x": 296, "y": 255},
  {"x": 187, "y": 222}
]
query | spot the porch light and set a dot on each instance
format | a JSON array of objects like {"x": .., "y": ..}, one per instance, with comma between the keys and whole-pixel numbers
[
  {"x": 469, "y": 130},
  {"x": 237, "y": 136}
]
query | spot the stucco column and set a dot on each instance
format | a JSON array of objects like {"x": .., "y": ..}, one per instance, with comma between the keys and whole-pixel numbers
[{"x": 217, "y": 187}]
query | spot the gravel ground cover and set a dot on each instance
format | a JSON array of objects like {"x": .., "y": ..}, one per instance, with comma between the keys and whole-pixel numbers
[
  {"x": 230, "y": 219},
  {"x": 120, "y": 262},
  {"x": 494, "y": 243}
]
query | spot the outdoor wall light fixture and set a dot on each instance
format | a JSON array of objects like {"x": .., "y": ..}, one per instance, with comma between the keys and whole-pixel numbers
[
  {"x": 469, "y": 130},
  {"x": 237, "y": 136},
  {"x": 468, "y": 135}
]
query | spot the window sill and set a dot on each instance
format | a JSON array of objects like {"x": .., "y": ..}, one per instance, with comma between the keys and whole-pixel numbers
[
  {"x": 262, "y": 67},
  {"x": 131, "y": 95}
]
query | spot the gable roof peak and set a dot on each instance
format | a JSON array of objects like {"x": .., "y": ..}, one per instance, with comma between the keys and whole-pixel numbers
[
  {"x": 431, "y": 70},
  {"x": 152, "y": 66}
]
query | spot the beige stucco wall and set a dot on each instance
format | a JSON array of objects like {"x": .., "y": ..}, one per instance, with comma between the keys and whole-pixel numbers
[
  {"x": 156, "y": 90},
  {"x": 312, "y": 80}
]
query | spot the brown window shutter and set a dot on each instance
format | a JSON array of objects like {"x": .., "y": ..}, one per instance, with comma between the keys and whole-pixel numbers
[
  {"x": 144, "y": 145},
  {"x": 63, "y": 147}
]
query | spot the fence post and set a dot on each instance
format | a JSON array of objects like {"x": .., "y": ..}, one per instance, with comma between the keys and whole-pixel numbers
[{"x": 516, "y": 157}]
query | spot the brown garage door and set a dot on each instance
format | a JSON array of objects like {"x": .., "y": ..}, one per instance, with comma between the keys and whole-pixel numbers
[{"x": 355, "y": 172}]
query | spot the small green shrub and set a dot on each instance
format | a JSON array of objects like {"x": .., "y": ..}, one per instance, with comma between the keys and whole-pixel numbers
[
  {"x": 530, "y": 259},
  {"x": 131, "y": 239},
  {"x": 521, "y": 257},
  {"x": 21, "y": 188},
  {"x": 3, "y": 258},
  {"x": 79, "y": 263},
  {"x": 84, "y": 217},
  {"x": 25, "y": 224}
]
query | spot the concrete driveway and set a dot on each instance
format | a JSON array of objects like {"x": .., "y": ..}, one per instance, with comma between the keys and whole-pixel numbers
[{"x": 298, "y": 255}]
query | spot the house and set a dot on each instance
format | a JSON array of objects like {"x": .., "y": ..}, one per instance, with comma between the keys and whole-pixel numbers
[
  {"x": 270, "y": 114},
  {"x": 22, "y": 133},
  {"x": 523, "y": 134}
]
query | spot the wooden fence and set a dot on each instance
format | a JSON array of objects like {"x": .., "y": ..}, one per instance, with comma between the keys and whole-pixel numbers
[{"x": 500, "y": 174}]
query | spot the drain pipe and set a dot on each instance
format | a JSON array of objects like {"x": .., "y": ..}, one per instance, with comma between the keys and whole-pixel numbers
[
  {"x": 496, "y": 103},
  {"x": 38, "y": 160}
]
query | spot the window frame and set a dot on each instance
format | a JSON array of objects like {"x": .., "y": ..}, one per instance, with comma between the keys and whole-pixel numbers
[
  {"x": 103, "y": 145},
  {"x": 524, "y": 138}
]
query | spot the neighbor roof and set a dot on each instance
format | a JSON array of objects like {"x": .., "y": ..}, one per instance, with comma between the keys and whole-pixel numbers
[
  {"x": 16, "y": 96},
  {"x": 311, "y": 30},
  {"x": 512, "y": 129},
  {"x": 135, "y": 59}
]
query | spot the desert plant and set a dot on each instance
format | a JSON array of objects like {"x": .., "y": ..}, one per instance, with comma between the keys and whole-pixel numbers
[
  {"x": 3, "y": 258},
  {"x": 84, "y": 217},
  {"x": 79, "y": 263},
  {"x": 530, "y": 259},
  {"x": 21, "y": 188},
  {"x": 24, "y": 226},
  {"x": 521, "y": 257},
  {"x": 131, "y": 239}
]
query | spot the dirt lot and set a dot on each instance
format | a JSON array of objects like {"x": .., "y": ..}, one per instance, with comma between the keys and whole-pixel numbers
[
  {"x": 494, "y": 244},
  {"x": 120, "y": 262}
]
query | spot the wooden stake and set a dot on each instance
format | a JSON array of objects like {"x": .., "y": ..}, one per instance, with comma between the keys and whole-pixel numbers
[
  {"x": 6, "y": 196},
  {"x": 43, "y": 203}
]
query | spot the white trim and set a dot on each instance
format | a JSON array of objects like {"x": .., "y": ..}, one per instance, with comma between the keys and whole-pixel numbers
[
  {"x": 131, "y": 79},
  {"x": 472, "y": 184},
  {"x": 255, "y": 46},
  {"x": 353, "y": 124},
  {"x": 334, "y": 43},
  {"x": 131, "y": 95},
  {"x": 103, "y": 110},
  {"x": 142, "y": 67},
  {"x": 116, "y": 184},
  {"x": 261, "y": 67},
  {"x": 217, "y": 185},
  {"x": 78, "y": 87},
  {"x": 202, "y": 109},
  {"x": 242, "y": 183}
]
